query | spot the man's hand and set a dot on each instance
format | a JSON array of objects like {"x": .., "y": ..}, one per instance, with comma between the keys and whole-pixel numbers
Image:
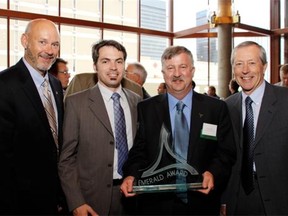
[
  {"x": 208, "y": 182},
  {"x": 84, "y": 210},
  {"x": 127, "y": 186}
]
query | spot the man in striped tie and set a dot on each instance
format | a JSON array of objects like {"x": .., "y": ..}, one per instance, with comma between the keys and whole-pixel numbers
[
  {"x": 99, "y": 128},
  {"x": 31, "y": 132}
]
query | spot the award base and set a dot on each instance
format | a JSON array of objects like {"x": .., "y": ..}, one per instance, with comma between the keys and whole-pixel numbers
[{"x": 166, "y": 188}]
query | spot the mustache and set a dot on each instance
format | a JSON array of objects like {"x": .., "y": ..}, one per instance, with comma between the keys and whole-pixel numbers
[
  {"x": 177, "y": 79},
  {"x": 46, "y": 55}
]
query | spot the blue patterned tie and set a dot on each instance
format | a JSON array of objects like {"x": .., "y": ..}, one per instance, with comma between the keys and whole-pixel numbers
[
  {"x": 181, "y": 142},
  {"x": 248, "y": 148},
  {"x": 120, "y": 132}
]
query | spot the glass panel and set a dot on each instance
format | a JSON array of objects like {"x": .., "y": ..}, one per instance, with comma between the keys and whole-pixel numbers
[
  {"x": 152, "y": 48},
  {"x": 248, "y": 16},
  {"x": 186, "y": 13},
  {"x": 155, "y": 14},
  {"x": 17, "y": 28},
  {"x": 121, "y": 12},
  {"x": 48, "y": 7},
  {"x": 128, "y": 40},
  {"x": 283, "y": 14},
  {"x": 76, "y": 48},
  {"x": 3, "y": 4},
  {"x": 87, "y": 10},
  {"x": 282, "y": 52},
  {"x": 3, "y": 44}
]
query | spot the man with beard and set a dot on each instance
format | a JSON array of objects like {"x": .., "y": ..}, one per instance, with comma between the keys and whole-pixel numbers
[{"x": 30, "y": 135}]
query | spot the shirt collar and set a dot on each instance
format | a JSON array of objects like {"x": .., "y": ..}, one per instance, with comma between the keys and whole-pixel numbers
[
  {"x": 256, "y": 95},
  {"x": 36, "y": 76},
  {"x": 107, "y": 93},
  {"x": 187, "y": 100}
]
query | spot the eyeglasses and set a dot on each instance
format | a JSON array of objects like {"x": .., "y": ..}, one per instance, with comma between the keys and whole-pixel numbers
[{"x": 64, "y": 72}]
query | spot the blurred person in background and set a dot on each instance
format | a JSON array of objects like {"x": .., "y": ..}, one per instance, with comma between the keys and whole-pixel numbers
[
  {"x": 137, "y": 73},
  {"x": 212, "y": 92},
  {"x": 283, "y": 73},
  {"x": 61, "y": 71},
  {"x": 233, "y": 86},
  {"x": 162, "y": 88}
]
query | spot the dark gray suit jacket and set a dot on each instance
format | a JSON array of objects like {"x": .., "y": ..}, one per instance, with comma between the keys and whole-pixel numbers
[
  {"x": 86, "y": 161},
  {"x": 271, "y": 150}
]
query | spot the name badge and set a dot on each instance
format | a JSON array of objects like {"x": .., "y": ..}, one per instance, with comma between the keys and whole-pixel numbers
[{"x": 209, "y": 131}]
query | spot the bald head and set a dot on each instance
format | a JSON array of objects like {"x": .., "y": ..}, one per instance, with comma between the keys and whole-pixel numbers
[{"x": 41, "y": 42}]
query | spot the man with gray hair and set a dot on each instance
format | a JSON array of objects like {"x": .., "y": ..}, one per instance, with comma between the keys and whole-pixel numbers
[{"x": 137, "y": 73}]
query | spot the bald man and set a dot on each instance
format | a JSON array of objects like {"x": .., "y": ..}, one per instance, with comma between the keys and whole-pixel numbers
[{"x": 29, "y": 149}]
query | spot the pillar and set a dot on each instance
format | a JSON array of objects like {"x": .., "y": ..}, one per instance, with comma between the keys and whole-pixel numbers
[{"x": 224, "y": 29}]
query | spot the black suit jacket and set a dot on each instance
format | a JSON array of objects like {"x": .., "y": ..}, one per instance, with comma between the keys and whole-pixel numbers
[
  {"x": 216, "y": 156},
  {"x": 29, "y": 181},
  {"x": 271, "y": 150}
]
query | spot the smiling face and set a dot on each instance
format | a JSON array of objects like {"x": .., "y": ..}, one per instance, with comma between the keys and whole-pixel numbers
[
  {"x": 248, "y": 68},
  {"x": 178, "y": 72},
  {"x": 110, "y": 67},
  {"x": 41, "y": 42}
]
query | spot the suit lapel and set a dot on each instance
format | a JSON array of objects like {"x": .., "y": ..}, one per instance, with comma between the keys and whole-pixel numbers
[
  {"x": 31, "y": 92},
  {"x": 196, "y": 122},
  {"x": 162, "y": 110},
  {"x": 266, "y": 113},
  {"x": 236, "y": 118},
  {"x": 132, "y": 102},
  {"x": 98, "y": 108}
]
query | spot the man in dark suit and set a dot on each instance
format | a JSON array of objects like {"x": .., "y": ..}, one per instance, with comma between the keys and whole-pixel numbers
[
  {"x": 212, "y": 153},
  {"x": 269, "y": 192},
  {"x": 29, "y": 182},
  {"x": 89, "y": 159}
]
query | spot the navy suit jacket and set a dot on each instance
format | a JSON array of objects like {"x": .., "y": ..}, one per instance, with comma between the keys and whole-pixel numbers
[
  {"x": 29, "y": 182},
  {"x": 270, "y": 154},
  {"x": 214, "y": 155}
]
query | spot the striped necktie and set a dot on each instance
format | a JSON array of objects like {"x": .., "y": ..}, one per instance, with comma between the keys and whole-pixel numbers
[
  {"x": 120, "y": 132},
  {"x": 49, "y": 109}
]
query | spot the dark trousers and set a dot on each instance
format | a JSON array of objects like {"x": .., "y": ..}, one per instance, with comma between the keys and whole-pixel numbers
[
  {"x": 170, "y": 204},
  {"x": 120, "y": 205},
  {"x": 250, "y": 204}
]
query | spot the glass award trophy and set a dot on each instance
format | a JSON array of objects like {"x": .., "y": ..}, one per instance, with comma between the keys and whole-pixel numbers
[{"x": 163, "y": 178}]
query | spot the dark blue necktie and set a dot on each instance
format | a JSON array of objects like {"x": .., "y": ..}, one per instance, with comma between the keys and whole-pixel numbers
[
  {"x": 248, "y": 148},
  {"x": 181, "y": 142},
  {"x": 120, "y": 132}
]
